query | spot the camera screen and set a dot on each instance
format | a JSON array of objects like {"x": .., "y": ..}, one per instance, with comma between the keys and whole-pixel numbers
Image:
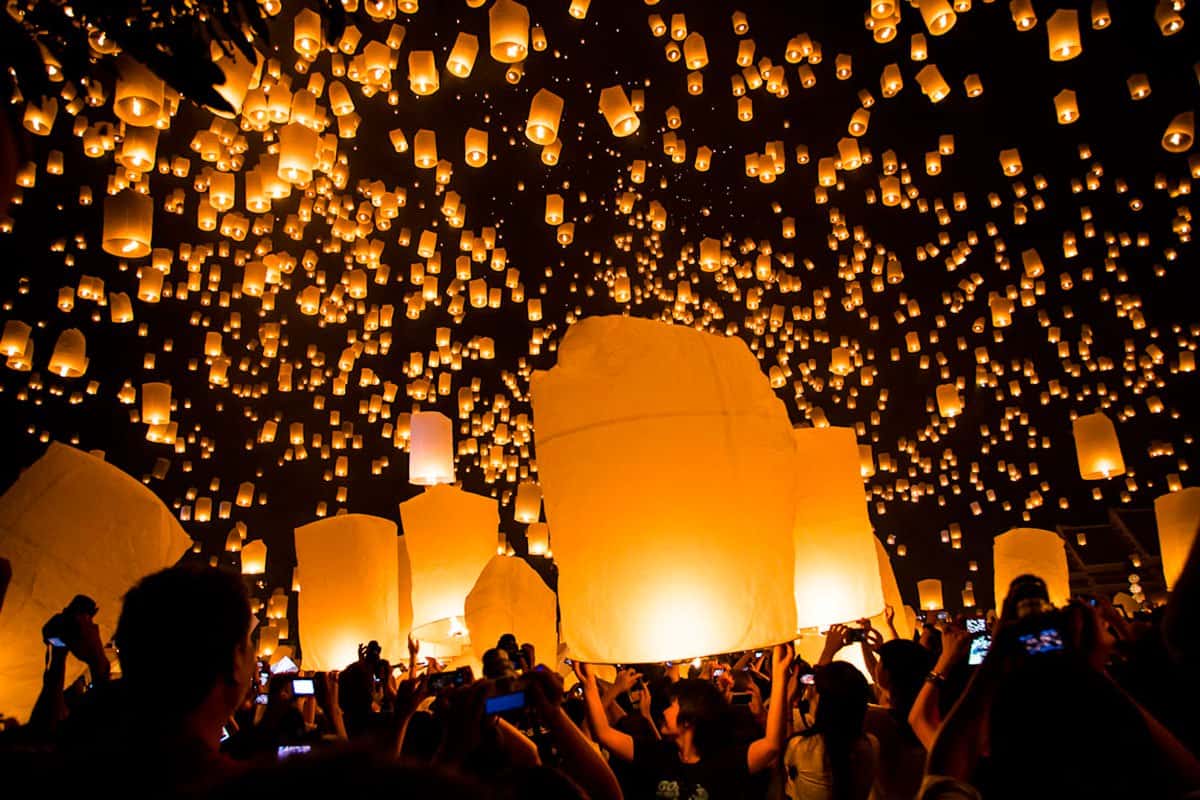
[
  {"x": 1048, "y": 640},
  {"x": 260, "y": 699},
  {"x": 302, "y": 687},
  {"x": 976, "y": 626},
  {"x": 807, "y": 678},
  {"x": 979, "y": 648},
  {"x": 289, "y": 750},
  {"x": 505, "y": 702}
]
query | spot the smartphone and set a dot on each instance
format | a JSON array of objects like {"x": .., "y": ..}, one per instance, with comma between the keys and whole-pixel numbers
[
  {"x": 943, "y": 616},
  {"x": 289, "y": 750},
  {"x": 302, "y": 687},
  {"x": 855, "y": 634},
  {"x": 807, "y": 679},
  {"x": 224, "y": 734},
  {"x": 718, "y": 672},
  {"x": 979, "y": 649},
  {"x": 397, "y": 671},
  {"x": 976, "y": 626},
  {"x": 446, "y": 680},
  {"x": 1047, "y": 640},
  {"x": 758, "y": 653},
  {"x": 260, "y": 699},
  {"x": 741, "y": 698},
  {"x": 263, "y": 679},
  {"x": 505, "y": 702}
]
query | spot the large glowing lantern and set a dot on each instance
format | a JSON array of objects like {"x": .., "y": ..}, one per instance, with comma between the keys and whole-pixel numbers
[
  {"x": 1097, "y": 447},
  {"x": 1178, "y": 516},
  {"x": 449, "y": 535},
  {"x": 128, "y": 224},
  {"x": 929, "y": 593},
  {"x": 254, "y": 557},
  {"x": 431, "y": 443},
  {"x": 156, "y": 403},
  {"x": 508, "y": 29},
  {"x": 72, "y": 524},
  {"x": 837, "y": 572},
  {"x": 545, "y": 111},
  {"x": 509, "y": 597},
  {"x": 69, "y": 359},
  {"x": 529, "y": 502},
  {"x": 658, "y": 448},
  {"x": 138, "y": 98},
  {"x": 1031, "y": 551},
  {"x": 618, "y": 111},
  {"x": 352, "y": 590}
]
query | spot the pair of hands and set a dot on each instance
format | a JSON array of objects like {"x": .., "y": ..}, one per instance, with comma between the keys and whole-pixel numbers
[{"x": 840, "y": 636}]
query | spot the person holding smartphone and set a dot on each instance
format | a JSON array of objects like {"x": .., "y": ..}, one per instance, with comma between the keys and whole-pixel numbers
[{"x": 697, "y": 756}]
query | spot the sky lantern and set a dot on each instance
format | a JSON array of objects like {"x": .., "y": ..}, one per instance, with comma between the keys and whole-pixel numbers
[
  {"x": 508, "y": 28},
  {"x": 128, "y": 224},
  {"x": 948, "y": 400},
  {"x": 929, "y": 593},
  {"x": 1066, "y": 108},
  {"x": 254, "y": 557},
  {"x": 431, "y": 449},
  {"x": 352, "y": 590},
  {"x": 628, "y": 418},
  {"x": 422, "y": 72},
  {"x": 71, "y": 524},
  {"x": 1030, "y": 551},
  {"x": 1062, "y": 29},
  {"x": 1180, "y": 133},
  {"x": 156, "y": 403},
  {"x": 938, "y": 15},
  {"x": 932, "y": 84},
  {"x": 298, "y": 146},
  {"x": 837, "y": 575},
  {"x": 618, "y": 112},
  {"x": 509, "y": 597},
  {"x": 461, "y": 60},
  {"x": 444, "y": 567},
  {"x": 15, "y": 338},
  {"x": 69, "y": 359},
  {"x": 695, "y": 53},
  {"x": 545, "y": 111},
  {"x": 1097, "y": 447},
  {"x": 138, "y": 98},
  {"x": 1178, "y": 516},
  {"x": 475, "y": 147}
]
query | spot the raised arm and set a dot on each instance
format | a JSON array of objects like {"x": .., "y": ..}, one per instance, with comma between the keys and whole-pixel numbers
[
  {"x": 925, "y": 717},
  {"x": 764, "y": 752},
  {"x": 580, "y": 761},
  {"x": 618, "y": 743}
]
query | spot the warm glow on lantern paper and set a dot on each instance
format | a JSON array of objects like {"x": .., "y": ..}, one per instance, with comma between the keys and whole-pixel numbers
[
  {"x": 1178, "y": 516},
  {"x": 1030, "y": 551},
  {"x": 891, "y": 595},
  {"x": 450, "y": 535},
  {"x": 837, "y": 572},
  {"x": 509, "y": 597},
  {"x": 351, "y": 590},
  {"x": 667, "y": 467},
  {"x": 929, "y": 593},
  {"x": 72, "y": 524}
]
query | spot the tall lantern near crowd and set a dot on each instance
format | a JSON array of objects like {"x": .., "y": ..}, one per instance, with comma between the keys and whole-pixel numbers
[
  {"x": 1097, "y": 447},
  {"x": 642, "y": 411},
  {"x": 1178, "y": 517},
  {"x": 1031, "y": 551},
  {"x": 509, "y": 597},
  {"x": 837, "y": 573}
]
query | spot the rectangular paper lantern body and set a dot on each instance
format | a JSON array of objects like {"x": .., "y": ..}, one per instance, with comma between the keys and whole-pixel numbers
[
  {"x": 667, "y": 473},
  {"x": 1178, "y": 515},
  {"x": 1031, "y": 551}
]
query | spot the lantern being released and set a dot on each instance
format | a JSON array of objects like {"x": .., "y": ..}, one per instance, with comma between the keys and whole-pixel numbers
[
  {"x": 659, "y": 447},
  {"x": 73, "y": 524},
  {"x": 353, "y": 590},
  {"x": 1097, "y": 447},
  {"x": 837, "y": 573},
  {"x": 1178, "y": 516},
  {"x": 449, "y": 535},
  {"x": 509, "y": 597},
  {"x": 1030, "y": 551}
]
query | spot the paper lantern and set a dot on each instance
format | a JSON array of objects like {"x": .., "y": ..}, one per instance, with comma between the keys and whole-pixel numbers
[
  {"x": 72, "y": 524},
  {"x": 475, "y": 147},
  {"x": 422, "y": 73},
  {"x": 16, "y": 337},
  {"x": 545, "y": 111},
  {"x": 1180, "y": 133},
  {"x": 1097, "y": 447},
  {"x": 1166, "y": 15},
  {"x": 932, "y": 84},
  {"x": 537, "y": 539},
  {"x": 656, "y": 445},
  {"x": 353, "y": 590},
  {"x": 695, "y": 53},
  {"x": 462, "y": 56},
  {"x": 837, "y": 573},
  {"x": 1066, "y": 107},
  {"x": 69, "y": 359},
  {"x": 529, "y": 502},
  {"x": 254, "y": 557},
  {"x": 156, "y": 403},
  {"x": 508, "y": 29},
  {"x": 618, "y": 112},
  {"x": 1062, "y": 30},
  {"x": 128, "y": 224},
  {"x": 509, "y": 597},
  {"x": 891, "y": 593},
  {"x": 1031, "y": 551},
  {"x": 1178, "y": 517},
  {"x": 929, "y": 592},
  {"x": 938, "y": 15},
  {"x": 948, "y": 400},
  {"x": 138, "y": 98},
  {"x": 425, "y": 151},
  {"x": 298, "y": 148},
  {"x": 449, "y": 535}
]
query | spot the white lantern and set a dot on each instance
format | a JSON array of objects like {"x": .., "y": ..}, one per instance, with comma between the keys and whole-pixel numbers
[
  {"x": 1178, "y": 516},
  {"x": 73, "y": 524},
  {"x": 353, "y": 590},
  {"x": 529, "y": 502},
  {"x": 509, "y": 597},
  {"x": 1031, "y": 551},
  {"x": 658, "y": 448},
  {"x": 837, "y": 572},
  {"x": 929, "y": 592},
  {"x": 431, "y": 455}
]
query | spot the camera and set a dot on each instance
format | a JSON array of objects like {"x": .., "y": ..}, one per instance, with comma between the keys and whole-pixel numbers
[
  {"x": 302, "y": 687},
  {"x": 446, "y": 680},
  {"x": 855, "y": 635},
  {"x": 64, "y": 626}
]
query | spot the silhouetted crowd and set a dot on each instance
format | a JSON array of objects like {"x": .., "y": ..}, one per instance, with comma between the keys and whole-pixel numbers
[{"x": 1077, "y": 701}]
